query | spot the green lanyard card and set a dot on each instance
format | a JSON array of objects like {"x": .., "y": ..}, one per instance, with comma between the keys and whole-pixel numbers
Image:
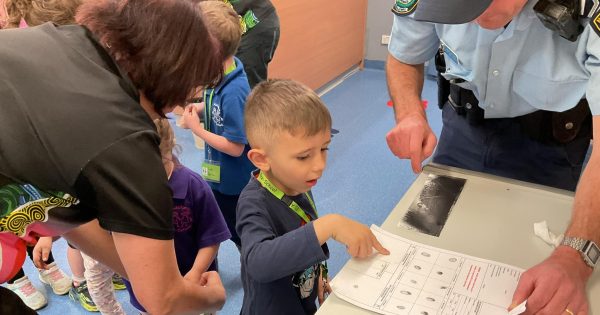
[{"x": 211, "y": 171}]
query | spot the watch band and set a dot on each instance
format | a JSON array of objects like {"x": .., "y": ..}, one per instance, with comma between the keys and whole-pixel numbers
[
  {"x": 574, "y": 242},
  {"x": 590, "y": 253}
]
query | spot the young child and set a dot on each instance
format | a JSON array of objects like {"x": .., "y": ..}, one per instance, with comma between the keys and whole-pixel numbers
[
  {"x": 283, "y": 239},
  {"x": 36, "y": 12},
  {"x": 198, "y": 223},
  {"x": 93, "y": 283},
  {"x": 226, "y": 166},
  {"x": 49, "y": 273}
]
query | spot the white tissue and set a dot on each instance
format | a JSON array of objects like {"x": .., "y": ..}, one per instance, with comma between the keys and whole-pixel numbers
[{"x": 541, "y": 230}]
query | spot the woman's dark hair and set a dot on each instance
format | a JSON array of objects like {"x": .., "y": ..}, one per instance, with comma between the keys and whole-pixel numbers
[{"x": 163, "y": 45}]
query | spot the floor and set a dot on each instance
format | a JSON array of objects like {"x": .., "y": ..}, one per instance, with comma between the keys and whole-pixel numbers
[{"x": 363, "y": 180}]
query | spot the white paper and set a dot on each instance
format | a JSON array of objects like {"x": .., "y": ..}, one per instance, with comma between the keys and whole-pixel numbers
[
  {"x": 521, "y": 308},
  {"x": 424, "y": 280}
]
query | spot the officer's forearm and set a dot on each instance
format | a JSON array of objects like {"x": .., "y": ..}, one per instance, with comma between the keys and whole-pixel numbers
[
  {"x": 405, "y": 83},
  {"x": 585, "y": 220}
]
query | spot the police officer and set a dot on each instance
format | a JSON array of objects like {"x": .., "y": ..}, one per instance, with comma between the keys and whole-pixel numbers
[{"x": 517, "y": 107}]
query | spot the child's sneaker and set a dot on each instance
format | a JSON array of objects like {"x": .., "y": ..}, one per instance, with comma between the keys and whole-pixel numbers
[
  {"x": 117, "y": 282},
  {"x": 56, "y": 278},
  {"x": 82, "y": 295},
  {"x": 33, "y": 298}
]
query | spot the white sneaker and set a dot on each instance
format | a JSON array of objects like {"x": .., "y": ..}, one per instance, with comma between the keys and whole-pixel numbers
[
  {"x": 56, "y": 278},
  {"x": 33, "y": 298}
]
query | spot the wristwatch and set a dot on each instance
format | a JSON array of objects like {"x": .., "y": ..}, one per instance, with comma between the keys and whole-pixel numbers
[{"x": 588, "y": 249}]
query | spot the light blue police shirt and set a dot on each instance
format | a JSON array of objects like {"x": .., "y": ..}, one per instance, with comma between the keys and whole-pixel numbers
[{"x": 512, "y": 71}]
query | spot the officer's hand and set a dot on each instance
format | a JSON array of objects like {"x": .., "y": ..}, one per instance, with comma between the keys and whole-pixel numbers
[
  {"x": 555, "y": 285},
  {"x": 412, "y": 139}
]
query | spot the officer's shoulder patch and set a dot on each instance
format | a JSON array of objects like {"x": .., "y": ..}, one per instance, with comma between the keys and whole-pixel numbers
[
  {"x": 404, "y": 7},
  {"x": 595, "y": 22}
]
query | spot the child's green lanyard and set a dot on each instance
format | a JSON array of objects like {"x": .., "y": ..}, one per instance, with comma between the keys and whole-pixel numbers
[
  {"x": 208, "y": 99},
  {"x": 211, "y": 170},
  {"x": 266, "y": 183}
]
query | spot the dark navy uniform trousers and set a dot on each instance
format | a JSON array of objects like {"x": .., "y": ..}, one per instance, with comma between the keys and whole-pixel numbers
[{"x": 500, "y": 147}]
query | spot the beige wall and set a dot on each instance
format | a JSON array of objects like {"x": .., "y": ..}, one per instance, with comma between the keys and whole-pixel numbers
[
  {"x": 379, "y": 22},
  {"x": 320, "y": 39}
]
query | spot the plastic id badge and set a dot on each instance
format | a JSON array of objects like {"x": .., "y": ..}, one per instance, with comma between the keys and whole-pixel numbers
[{"x": 211, "y": 171}]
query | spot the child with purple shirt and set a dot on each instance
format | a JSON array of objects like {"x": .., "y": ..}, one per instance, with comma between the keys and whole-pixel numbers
[{"x": 197, "y": 221}]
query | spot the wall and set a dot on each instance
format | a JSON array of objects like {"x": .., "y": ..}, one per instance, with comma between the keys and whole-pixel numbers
[
  {"x": 379, "y": 22},
  {"x": 320, "y": 39}
]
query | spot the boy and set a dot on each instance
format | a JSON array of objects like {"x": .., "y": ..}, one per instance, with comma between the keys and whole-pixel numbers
[
  {"x": 283, "y": 241},
  {"x": 226, "y": 166}
]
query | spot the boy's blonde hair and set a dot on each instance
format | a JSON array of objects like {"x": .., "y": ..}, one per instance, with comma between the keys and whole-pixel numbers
[
  {"x": 278, "y": 105},
  {"x": 224, "y": 24},
  {"x": 36, "y": 12}
]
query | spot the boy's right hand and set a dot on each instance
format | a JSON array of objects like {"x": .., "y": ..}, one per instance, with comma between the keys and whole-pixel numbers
[{"x": 357, "y": 237}]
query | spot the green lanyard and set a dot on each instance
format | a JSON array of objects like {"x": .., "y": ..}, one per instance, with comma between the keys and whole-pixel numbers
[
  {"x": 266, "y": 183},
  {"x": 208, "y": 98}
]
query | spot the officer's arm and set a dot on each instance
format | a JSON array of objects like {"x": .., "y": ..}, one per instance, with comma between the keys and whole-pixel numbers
[
  {"x": 559, "y": 282},
  {"x": 585, "y": 219},
  {"x": 412, "y": 43},
  {"x": 412, "y": 137},
  {"x": 405, "y": 83}
]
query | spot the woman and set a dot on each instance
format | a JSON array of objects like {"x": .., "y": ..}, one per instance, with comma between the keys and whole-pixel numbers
[{"x": 80, "y": 155}]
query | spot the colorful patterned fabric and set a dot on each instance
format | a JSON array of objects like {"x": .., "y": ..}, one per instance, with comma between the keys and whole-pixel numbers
[{"x": 21, "y": 207}]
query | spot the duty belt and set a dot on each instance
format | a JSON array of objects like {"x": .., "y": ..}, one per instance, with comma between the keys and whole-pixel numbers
[{"x": 541, "y": 125}]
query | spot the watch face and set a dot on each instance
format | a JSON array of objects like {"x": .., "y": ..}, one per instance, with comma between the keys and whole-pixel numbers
[{"x": 593, "y": 253}]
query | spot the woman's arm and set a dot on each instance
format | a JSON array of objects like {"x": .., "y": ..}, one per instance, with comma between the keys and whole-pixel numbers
[
  {"x": 97, "y": 243},
  {"x": 150, "y": 266}
]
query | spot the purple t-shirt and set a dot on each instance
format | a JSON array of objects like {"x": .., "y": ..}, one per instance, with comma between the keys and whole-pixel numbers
[{"x": 197, "y": 220}]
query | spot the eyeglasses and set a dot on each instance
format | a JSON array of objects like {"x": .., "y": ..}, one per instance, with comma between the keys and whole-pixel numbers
[{"x": 195, "y": 100}]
